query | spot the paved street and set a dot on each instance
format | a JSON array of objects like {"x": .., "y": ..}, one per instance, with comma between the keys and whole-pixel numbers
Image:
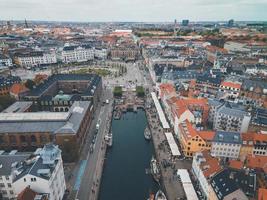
[{"x": 87, "y": 172}]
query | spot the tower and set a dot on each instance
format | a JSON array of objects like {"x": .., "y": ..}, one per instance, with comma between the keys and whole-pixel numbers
[
  {"x": 175, "y": 28},
  {"x": 26, "y": 24}
]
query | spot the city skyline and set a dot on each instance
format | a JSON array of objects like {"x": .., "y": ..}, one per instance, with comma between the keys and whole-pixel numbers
[{"x": 138, "y": 11}]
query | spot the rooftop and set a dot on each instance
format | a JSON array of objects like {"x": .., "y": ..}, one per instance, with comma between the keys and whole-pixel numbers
[
  {"x": 227, "y": 137},
  {"x": 53, "y": 122}
]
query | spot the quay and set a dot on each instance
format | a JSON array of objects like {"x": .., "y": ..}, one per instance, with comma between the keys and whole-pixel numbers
[{"x": 169, "y": 180}]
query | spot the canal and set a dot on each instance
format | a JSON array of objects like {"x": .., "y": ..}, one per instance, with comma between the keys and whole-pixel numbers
[{"x": 126, "y": 162}]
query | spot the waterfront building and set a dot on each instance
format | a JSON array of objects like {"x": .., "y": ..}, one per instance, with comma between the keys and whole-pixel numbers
[
  {"x": 35, "y": 59},
  {"x": 226, "y": 144},
  {"x": 26, "y": 131},
  {"x": 204, "y": 167},
  {"x": 190, "y": 140},
  {"x": 80, "y": 53}
]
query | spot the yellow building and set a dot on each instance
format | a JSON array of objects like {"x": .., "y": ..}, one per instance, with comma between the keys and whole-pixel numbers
[{"x": 193, "y": 141}]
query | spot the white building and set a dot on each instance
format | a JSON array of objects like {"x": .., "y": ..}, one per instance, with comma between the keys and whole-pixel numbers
[
  {"x": 100, "y": 53},
  {"x": 77, "y": 53},
  {"x": 204, "y": 167},
  {"x": 5, "y": 61},
  {"x": 35, "y": 59},
  {"x": 226, "y": 144},
  {"x": 229, "y": 117},
  {"x": 42, "y": 172}
]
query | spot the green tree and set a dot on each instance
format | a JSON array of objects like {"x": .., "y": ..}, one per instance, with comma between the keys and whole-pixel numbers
[
  {"x": 140, "y": 91},
  {"x": 6, "y": 101},
  {"x": 29, "y": 84},
  {"x": 117, "y": 92}
]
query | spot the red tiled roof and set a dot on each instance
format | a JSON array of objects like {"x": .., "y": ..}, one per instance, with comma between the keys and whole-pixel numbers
[
  {"x": 211, "y": 166},
  {"x": 235, "y": 164},
  {"x": 262, "y": 194},
  {"x": 257, "y": 162},
  {"x": 231, "y": 84},
  {"x": 167, "y": 88},
  {"x": 18, "y": 88},
  {"x": 206, "y": 135}
]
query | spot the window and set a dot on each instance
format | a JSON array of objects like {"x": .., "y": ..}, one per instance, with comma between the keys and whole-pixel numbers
[
  {"x": 9, "y": 185},
  {"x": 7, "y": 178},
  {"x": 24, "y": 179},
  {"x": 11, "y": 192}
]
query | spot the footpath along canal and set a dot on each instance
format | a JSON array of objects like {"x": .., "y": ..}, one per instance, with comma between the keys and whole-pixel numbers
[{"x": 124, "y": 175}]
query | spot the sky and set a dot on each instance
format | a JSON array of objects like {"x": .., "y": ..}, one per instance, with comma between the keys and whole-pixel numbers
[{"x": 134, "y": 10}]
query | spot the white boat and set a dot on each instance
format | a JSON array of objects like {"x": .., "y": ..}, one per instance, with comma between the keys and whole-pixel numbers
[
  {"x": 109, "y": 139},
  {"x": 147, "y": 133},
  {"x": 155, "y": 169},
  {"x": 160, "y": 196}
]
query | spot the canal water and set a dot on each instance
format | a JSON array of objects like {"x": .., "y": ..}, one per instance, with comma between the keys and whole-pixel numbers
[{"x": 126, "y": 162}]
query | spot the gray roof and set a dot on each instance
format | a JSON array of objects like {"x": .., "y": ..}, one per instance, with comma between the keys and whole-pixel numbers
[
  {"x": 230, "y": 180},
  {"x": 43, "y": 161},
  {"x": 227, "y": 137},
  {"x": 17, "y": 107},
  {"x": 64, "y": 125},
  {"x": 7, "y": 160},
  {"x": 232, "y": 110}
]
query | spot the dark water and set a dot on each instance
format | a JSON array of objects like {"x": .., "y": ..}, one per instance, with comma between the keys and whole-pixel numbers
[{"x": 124, "y": 176}]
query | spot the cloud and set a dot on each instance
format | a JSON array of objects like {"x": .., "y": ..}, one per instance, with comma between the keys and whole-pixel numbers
[{"x": 133, "y": 10}]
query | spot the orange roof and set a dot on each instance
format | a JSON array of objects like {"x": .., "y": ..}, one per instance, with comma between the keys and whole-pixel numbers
[
  {"x": 187, "y": 130},
  {"x": 18, "y": 88},
  {"x": 262, "y": 194},
  {"x": 211, "y": 165},
  {"x": 258, "y": 137},
  {"x": 257, "y": 162},
  {"x": 235, "y": 164},
  {"x": 186, "y": 104},
  {"x": 167, "y": 88},
  {"x": 231, "y": 84},
  {"x": 215, "y": 49},
  {"x": 255, "y": 137},
  {"x": 206, "y": 135}
]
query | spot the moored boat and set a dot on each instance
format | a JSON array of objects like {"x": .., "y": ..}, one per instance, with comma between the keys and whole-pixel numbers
[
  {"x": 155, "y": 169},
  {"x": 147, "y": 133},
  {"x": 109, "y": 139},
  {"x": 160, "y": 196}
]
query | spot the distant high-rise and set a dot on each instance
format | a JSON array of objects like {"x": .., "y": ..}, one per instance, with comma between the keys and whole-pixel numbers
[
  {"x": 26, "y": 24},
  {"x": 175, "y": 28},
  {"x": 185, "y": 22},
  {"x": 231, "y": 23}
]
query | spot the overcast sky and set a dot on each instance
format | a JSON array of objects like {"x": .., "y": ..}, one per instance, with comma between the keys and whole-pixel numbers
[{"x": 133, "y": 10}]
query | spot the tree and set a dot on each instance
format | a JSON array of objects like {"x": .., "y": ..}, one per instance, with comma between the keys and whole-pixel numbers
[
  {"x": 117, "y": 92},
  {"x": 29, "y": 84},
  {"x": 6, "y": 101},
  {"x": 140, "y": 91}
]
